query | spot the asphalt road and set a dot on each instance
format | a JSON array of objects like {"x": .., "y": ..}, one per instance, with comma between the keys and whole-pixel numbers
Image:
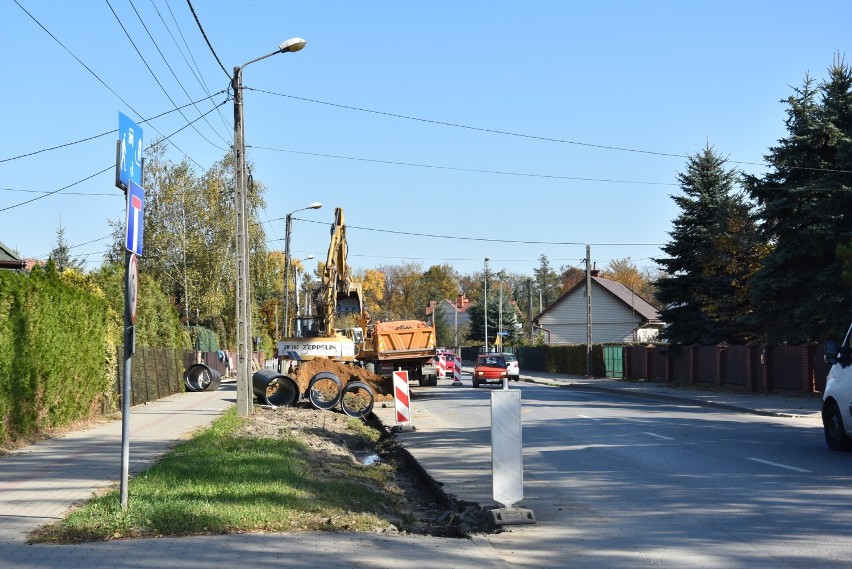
[{"x": 617, "y": 481}]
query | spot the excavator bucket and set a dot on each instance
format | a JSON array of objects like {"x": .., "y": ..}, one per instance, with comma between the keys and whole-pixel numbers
[{"x": 349, "y": 299}]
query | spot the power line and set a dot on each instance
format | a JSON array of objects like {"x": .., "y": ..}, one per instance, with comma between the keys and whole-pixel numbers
[
  {"x": 487, "y": 240},
  {"x": 203, "y": 33},
  {"x": 154, "y": 75},
  {"x": 521, "y": 135},
  {"x": 95, "y": 75},
  {"x": 166, "y": 61},
  {"x": 199, "y": 76},
  {"x": 476, "y": 128},
  {"x": 456, "y": 169},
  {"x": 60, "y": 189},
  {"x": 65, "y": 193},
  {"x": 13, "y": 206},
  {"x": 143, "y": 121}
]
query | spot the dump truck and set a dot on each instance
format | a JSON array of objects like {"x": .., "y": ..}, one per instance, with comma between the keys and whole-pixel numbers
[{"x": 407, "y": 345}]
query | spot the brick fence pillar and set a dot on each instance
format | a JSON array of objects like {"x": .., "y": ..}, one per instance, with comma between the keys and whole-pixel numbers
[
  {"x": 808, "y": 373},
  {"x": 751, "y": 361},
  {"x": 721, "y": 354},
  {"x": 692, "y": 365},
  {"x": 765, "y": 364}
]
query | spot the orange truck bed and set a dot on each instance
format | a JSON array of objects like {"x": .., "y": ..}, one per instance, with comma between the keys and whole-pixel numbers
[{"x": 404, "y": 339}]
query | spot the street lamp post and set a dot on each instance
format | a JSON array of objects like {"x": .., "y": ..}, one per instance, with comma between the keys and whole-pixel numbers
[
  {"x": 243, "y": 304},
  {"x": 500, "y": 312},
  {"x": 485, "y": 302},
  {"x": 456, "y": 324},
  {"x": 287, "y": 227}
]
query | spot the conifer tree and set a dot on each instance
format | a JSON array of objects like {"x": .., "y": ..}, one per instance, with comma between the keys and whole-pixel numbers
[
  {"x": 713, "y": 249},
  {"x": 806, "y": 203}
]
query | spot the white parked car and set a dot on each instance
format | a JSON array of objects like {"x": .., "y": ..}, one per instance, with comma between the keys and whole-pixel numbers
[
  {"x": 512, "y": 369},
  {"x": 837, "y": 398}
]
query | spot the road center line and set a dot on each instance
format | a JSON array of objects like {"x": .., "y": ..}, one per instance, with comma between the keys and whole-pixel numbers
[
  {"x": 770, "y": 463},
  {"x": 658, "y": 436}
]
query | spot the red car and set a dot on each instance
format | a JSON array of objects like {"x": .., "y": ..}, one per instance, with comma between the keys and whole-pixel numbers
[{"x": 489, "y": 368}]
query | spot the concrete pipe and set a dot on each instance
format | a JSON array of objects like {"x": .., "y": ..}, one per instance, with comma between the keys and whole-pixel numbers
[
  {"x": 325, "y": 390},
  {"x": 357, "y": 400},
  {"x": 272, "y": 388},
  {"x": 199, "y": 377}
]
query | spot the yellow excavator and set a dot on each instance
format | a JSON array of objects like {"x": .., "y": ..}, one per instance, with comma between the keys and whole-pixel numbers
[{"x": 336, "y": 295}]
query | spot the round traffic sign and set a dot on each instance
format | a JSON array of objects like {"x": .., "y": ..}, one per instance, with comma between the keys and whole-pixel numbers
[{"x": 132, "y": 293}]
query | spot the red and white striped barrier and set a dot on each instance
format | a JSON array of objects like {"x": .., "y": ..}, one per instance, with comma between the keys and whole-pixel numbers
[
  {"x": 401, "y": 398},
  {"x": 441, "y": 366}
]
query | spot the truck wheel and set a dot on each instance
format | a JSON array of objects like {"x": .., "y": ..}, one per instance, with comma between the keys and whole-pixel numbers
[
  {"x": 835, "y": 433},
  {"x": 475, "y": 383},
  {"x": 433, "y": 380}
]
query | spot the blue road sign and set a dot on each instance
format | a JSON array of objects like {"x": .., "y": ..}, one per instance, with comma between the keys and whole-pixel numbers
[
  {"x": 129, "y": 152},
  {"x": 135, "y": 213}
]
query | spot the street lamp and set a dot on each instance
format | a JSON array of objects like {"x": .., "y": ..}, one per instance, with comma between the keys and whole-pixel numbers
[
  {"x": 287, "y": 226},
  {"x": 485, "y": 303},
  {"x": 243, "y": 304}
]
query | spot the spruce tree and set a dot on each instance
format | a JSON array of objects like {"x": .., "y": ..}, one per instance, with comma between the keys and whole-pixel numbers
[
  {"x": 61, "y": 253},
  {"x": 709, "y": 256},
  {"x": 806, "y": 204}
]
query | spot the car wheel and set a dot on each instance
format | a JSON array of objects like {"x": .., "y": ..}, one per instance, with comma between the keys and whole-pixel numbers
[{"x": 835, "y": 433}]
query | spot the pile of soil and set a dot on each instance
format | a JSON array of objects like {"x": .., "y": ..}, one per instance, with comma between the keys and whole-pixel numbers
[
  {"x": 382, "y": 387},
  {"x": 421, "y": 507}
]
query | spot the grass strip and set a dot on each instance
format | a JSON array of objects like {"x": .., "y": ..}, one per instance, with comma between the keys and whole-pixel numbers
[{"x": 222, "y": 481}]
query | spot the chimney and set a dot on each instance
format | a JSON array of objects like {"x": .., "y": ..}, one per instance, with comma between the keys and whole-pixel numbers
[
  {"x": 461, "y": 302},
  {"x": 595, "y": 273}
]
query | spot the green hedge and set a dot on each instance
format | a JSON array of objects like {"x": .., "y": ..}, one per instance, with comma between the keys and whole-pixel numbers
[
  {"x": 52, "y": 353},
  {"x": 59, "y": 334}
]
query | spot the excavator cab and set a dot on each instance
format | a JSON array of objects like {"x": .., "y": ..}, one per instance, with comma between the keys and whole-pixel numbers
[{"x": 305, "y": 327}]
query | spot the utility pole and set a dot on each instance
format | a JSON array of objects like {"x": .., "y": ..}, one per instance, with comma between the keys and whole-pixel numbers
[
  {"x": 588, "y": 311},
  {"x": 288, "y": 224},
  {"x": 500, "y": 314},
  {"x": 243, "y": 308},
  {"x": 485, "y": 302},
  {"x": 530, "y": 307}
]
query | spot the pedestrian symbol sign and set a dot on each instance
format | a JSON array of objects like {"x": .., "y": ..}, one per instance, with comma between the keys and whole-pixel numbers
[
  {"x": 135, "y": 211},
  {"x": 129, "y": 159}
]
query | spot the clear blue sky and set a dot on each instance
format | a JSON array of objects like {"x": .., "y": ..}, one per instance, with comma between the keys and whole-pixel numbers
[{"x": 656, "y": 78}]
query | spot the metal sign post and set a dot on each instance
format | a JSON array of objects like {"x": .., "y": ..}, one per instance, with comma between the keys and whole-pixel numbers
[{"x": 128, "y": 177}]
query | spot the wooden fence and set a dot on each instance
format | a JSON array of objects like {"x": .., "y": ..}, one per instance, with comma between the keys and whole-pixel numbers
[{"x": 754, "y": 368}]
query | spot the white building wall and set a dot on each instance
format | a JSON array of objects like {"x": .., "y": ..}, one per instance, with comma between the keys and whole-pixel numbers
[{"x": 612, "y": 320}]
